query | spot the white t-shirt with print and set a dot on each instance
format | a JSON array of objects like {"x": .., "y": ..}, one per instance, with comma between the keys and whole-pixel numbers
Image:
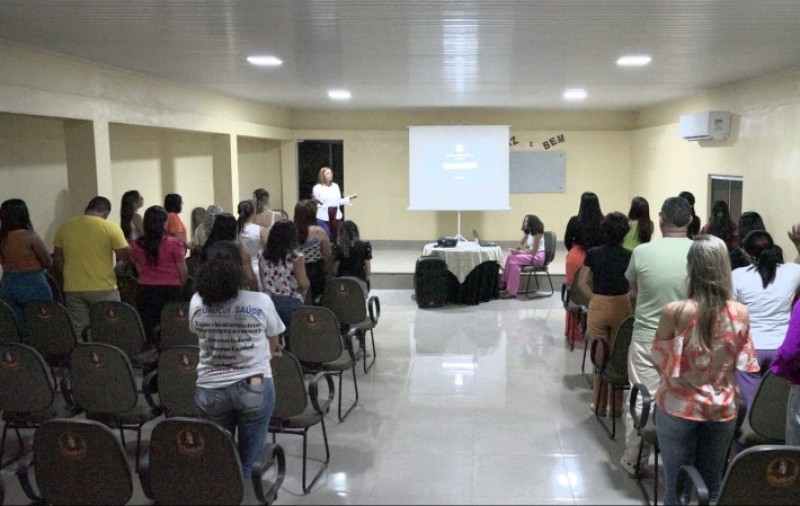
[{"x": 233, "y": 338}]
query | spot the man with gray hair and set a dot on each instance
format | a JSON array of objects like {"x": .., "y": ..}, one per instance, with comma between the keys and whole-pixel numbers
[{"x": 657, "y": 275}]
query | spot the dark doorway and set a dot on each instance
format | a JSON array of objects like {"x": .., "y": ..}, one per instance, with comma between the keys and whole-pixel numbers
[{"x": 312, "y": 156}]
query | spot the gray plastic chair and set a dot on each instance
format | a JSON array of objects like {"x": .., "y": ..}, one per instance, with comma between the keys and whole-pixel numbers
[
  {"x": 176, "y": 380},
  {"x": 347, "y": 297},
  {"x": 766, "y": 422}
]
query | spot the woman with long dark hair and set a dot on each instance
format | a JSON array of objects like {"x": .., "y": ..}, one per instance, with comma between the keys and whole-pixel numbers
[
  {"x": 721, "y": 225},
  {"x": 583, "y": 232},
  {"x": 234, "y": 381},
  {"x": 24, "y": 258},
  {"x": 160, "y": 260},
  {"x": 749, "y": 221},
  {"x": 642, "y": 226},
  {"x": 226, "y": 228},
  {"x": 767, "y": 287},
  {"x": 699, "y": 343},
  {"x": 314, "y": 245},
  {"x": 130, "y": 221},
  {"x": 353, "y": 256},
  {"x": 283, "y": 270},
  {"x": 173, "y": 203}
]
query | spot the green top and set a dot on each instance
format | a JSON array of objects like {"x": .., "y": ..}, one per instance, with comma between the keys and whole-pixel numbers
[{"x": 631, "y": 239}]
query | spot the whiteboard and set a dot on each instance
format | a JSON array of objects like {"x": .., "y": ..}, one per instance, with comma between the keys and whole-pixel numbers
[{"x": 537, "y": 172}]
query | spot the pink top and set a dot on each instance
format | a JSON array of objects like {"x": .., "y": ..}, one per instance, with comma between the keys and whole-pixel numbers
[
  {"x": 165, "y": 271},
  {"x": 697, "y": 383}
]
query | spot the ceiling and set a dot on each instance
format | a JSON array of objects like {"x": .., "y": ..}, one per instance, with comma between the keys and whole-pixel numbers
[{"x": 421, "y": 53}]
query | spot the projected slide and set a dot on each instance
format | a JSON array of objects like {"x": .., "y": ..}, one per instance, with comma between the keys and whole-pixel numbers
[{"x": 458, "y": 168}]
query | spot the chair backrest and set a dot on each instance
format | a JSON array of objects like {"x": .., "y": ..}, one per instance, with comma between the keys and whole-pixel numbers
[
  {"x": 347, "y": 298},
  {"x": 81, "y": 462},
  {"x": 550, "y": 240},
  {"x": 175, "y": 325},
  {"x": 314, "y": 335},
  {"x": 25, "y": 382},
  {"x": 764, "y": 474},
  {"x": 49, "y": 328},
  {"x": 576, "y": 295},
  {"x": 102, "y": 379},
  {"x": 618, "y": 360},
  {"x": 194, "y": 461},
  {"x": 118, "y": 324},
  {"x": 768, "y": 412},
  {"x": 128, "y": 288},
  {"x": 177, "y": 379},
  {"x": 9, "y": 332},
  {"x": 291, "y": 395}
]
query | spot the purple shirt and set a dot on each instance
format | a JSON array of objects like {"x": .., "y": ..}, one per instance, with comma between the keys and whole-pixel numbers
[{"x": 786, "y": 363}]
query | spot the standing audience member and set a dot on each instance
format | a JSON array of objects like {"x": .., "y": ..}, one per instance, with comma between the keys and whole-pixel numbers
[
  {"x": 583, "y": 232},
  {"x": 328, "y": 196},
  {"x": 160, "y": 260},
  {"x": 721, "y": 225},
  {"x": 204, "y": 229},
  {"x": 786, "y": 364},
  {"x": 226, "y": 228},
  {"x": 198, "y": 217},
  {"x": 530, "y": 251},
  {"x": 234, "y": 383},
  {"x": 641, "y": 230},
  {"x": 283, "y": 270},
  {"x": 657, "y": 276},
  {"x": 24, "y": 258},
  {"x": 699, "y": 343},
  {"x": 748, "y": 222},
  {"x": 251, "y": 235},
  {"x": 264, "y": 215},
  {"x": 353, "y": 256},
  {"x": 173, "y": 203},
  {"x": 603, "y": 280},
  {"x": 694, "y": 225},
  {"x": 129, "y": 218},
  {"x": 84, "y": 249},
  {"x": 315, "y": 247},
  {"x": 767, "y": 288}
]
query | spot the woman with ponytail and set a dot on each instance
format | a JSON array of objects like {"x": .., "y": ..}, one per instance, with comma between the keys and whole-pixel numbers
[
  {"x": 160, "y": 259},
  {"x": 767, "y": 287},
  {"x": 251, "y": 235}
]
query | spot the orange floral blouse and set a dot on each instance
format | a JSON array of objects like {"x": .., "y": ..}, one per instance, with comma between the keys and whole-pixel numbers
[{"x": 697, "y": 383}]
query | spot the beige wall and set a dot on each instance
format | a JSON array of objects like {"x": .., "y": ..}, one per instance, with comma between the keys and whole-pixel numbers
[{"x": 164, "y": 138}]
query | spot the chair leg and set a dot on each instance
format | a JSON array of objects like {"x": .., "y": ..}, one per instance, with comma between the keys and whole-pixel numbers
[
  {"x": 583, "y": 362},
  {"x": 363, "y": 343},
  {"x": 355, "y": 403},
  {"x": 307, "y": 488},
  {"x": 3, "y": 446}
]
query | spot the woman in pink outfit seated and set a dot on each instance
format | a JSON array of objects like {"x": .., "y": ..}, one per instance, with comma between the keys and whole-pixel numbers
[{"x": 529, "y": 252}]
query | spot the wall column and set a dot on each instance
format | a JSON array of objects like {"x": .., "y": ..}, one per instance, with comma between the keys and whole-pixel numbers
[
  {"x": 226, "y": 172},
  {"x": 88, "y": 155}
]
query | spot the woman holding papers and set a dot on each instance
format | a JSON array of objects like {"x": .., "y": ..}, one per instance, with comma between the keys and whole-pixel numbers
[{"x": 328, "y": 197}]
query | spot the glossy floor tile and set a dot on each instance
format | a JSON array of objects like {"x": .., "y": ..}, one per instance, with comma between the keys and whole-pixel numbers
[{"x": 466, "y": 405}]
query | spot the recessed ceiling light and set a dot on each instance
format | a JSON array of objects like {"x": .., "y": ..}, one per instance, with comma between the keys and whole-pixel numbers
[
  {"x": 339, "y": 95},
  {"x": 265, "y": 61},
  {"x": 575, "y": 94},
  {"x": 634, "y": 60}
]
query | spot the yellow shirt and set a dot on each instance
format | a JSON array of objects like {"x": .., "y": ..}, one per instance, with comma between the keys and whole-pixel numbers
[{"x": 88, "y": 243}]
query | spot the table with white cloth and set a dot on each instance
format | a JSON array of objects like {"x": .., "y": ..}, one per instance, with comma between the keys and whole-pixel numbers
[{"x": 475, "y": 270}]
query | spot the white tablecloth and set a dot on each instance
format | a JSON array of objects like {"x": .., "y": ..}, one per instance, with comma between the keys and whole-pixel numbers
[{"x": 464, "y": 257}]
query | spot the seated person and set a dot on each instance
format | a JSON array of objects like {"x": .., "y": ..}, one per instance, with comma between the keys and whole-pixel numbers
[{"x": 529, "y": 252}]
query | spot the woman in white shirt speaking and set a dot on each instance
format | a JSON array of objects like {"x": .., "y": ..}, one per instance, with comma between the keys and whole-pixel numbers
[{"x": 328, "y": 197}]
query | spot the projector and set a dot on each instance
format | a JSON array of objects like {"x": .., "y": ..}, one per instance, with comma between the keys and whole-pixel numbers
[{"x": 447, "y": 242}]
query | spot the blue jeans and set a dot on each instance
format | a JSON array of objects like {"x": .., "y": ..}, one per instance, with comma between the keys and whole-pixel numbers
[
  {"x": 19, "y": 288},
  {"x": 241, "y": 408},
  {"x": 285, "y": 306},
  {"x": 704, "y": 445}
]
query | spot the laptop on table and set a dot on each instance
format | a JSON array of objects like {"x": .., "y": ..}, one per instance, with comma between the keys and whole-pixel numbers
[{"x": 483, "y": 244}]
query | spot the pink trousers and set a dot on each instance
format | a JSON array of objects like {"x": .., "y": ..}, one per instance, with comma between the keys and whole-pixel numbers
[{"x": 514, "y": 264}]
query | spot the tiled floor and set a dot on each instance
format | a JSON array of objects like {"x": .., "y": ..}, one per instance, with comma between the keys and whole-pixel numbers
[{"x": 465, "y": 405}]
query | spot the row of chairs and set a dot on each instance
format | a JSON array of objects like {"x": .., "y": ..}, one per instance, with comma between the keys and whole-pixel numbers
[{"x": 190, "y": 461}]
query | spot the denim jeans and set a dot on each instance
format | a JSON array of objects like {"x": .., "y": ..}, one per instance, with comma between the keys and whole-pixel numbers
[
  {"x": 19, "y": 288},
  {"x": 285, "y": 306},
  {"x": 243, "y": 409},
  {"x": 704, "y": 445}
]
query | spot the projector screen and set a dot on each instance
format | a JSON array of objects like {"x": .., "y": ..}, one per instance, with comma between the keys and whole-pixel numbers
[{"x": 458, "y": 168}]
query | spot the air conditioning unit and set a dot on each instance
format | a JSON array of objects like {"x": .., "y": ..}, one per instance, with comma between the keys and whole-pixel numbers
[{"x": 705, "y": 126}]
